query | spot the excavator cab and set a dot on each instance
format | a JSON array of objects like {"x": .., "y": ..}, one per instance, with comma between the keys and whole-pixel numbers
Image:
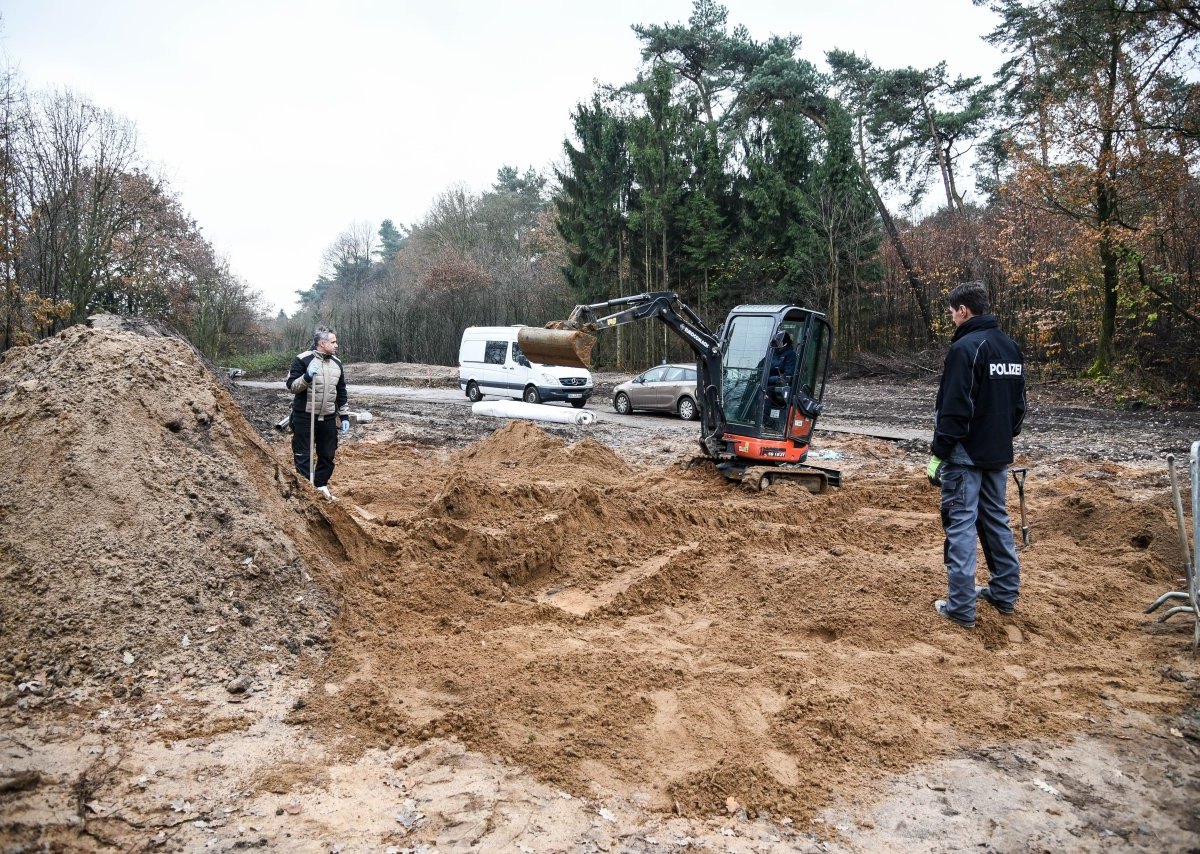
[{"x": 775, "y": 360}]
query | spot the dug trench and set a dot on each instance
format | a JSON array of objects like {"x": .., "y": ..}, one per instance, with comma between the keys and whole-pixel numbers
[{"x": 617, "y": 626}]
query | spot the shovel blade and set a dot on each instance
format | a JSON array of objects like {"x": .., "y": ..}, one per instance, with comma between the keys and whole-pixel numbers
[{"x": 569, "y": 348}]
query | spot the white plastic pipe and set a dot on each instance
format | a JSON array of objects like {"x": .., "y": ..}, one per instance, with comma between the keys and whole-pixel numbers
[{"x": 533, "y": 412}]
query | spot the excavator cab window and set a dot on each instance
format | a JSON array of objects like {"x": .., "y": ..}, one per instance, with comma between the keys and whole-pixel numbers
[
  {"x": 814, "y": 361},
  {"x": 743, "y": 366}
]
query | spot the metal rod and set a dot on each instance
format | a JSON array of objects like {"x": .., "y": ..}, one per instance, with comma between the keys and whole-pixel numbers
[
  {"x": 1179, "y": 524},
  {"x": 1178, "y": 609},
  {"x": 312, "y": 432},
  {"x": 1163, "y": 599},
  {"x": 1194, "y": 575}
]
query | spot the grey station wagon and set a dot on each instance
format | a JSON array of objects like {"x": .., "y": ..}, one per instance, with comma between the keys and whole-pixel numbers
[{"x": 667, "y": 388}]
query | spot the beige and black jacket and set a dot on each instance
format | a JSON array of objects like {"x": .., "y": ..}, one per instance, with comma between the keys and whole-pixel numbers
[{"x": 327, "y": 390}]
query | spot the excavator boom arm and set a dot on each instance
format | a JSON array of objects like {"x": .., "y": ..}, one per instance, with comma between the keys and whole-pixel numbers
[{"x": 684, "y": 322}]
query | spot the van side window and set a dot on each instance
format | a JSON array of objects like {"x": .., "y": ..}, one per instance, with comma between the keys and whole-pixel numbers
[{"x": 494, "y": 352}]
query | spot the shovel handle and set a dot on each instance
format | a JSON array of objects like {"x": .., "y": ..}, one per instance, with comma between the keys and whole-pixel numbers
[{"x": 1019, "y": 477}]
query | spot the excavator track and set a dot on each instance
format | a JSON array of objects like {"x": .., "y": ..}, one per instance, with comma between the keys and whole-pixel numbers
[{"x": 815, "y": 480}]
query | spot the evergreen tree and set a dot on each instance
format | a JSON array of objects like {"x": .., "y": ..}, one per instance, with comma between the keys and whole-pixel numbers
[
  {"x": 391, "y": 240},
  {"x": 511, "y": 209},
  {"x": 656, "y": 154},
  {"x": 593, "y": 200},
  {"x": 777, "y": 243}
]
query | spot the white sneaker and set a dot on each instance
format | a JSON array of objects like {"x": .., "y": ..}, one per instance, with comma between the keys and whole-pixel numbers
[{"x": 324, "y": 490}]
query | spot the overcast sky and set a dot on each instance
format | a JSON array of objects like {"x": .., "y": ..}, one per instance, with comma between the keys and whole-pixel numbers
[{"x": 282, "y": 124}]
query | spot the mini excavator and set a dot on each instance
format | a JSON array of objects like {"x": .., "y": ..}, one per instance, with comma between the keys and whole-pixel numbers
[{"x": 756, "y": 417}]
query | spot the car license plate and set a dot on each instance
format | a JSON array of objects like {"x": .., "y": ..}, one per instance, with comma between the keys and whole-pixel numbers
[{"x": 574, "y": 395}]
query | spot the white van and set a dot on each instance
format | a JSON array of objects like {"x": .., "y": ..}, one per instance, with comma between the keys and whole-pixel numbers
[{"x": 490, "y": 362}]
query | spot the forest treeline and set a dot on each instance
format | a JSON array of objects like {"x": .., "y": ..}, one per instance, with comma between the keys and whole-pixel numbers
[
  {"x": 733, "y": 170},
  {"x": 86, "y": 226}
]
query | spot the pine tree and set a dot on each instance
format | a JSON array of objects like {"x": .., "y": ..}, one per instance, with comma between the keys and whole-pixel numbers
[{"x": 593, "y": 201}]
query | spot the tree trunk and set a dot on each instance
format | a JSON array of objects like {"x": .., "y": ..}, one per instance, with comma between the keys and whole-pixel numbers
[
  {"x": 915, "y": 284},
  {"x": 1043, "y": 131},
  {"x": 943, "y": 160},
  {"x": 834, "y": 293},
  {"x": 1106, "y": 214},
  {"x": 893, "y": 232}
]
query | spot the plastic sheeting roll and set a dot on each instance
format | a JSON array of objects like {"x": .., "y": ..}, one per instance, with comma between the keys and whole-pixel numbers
[{"x": 533, "y": 412}]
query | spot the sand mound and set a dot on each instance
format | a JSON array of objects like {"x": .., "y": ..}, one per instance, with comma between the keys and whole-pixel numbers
[
  {"x": 523, "y": 446},
  {"x": 664, "y": 632},
  {"x": 146, "y": 532}
]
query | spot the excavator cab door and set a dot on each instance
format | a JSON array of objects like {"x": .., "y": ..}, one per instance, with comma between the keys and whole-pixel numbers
[
  {"x": 808, "y": 384},
  {"x": 762, "y": 400},
  {"x": 745, "y": 352}
]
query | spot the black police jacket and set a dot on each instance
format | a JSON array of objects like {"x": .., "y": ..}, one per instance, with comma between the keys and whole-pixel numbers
[{"x": 981, "y": 399}]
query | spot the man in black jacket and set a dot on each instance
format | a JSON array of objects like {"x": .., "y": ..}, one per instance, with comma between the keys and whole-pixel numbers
[
  {"x": 319, "y": 385},
  {"x": 980, "y": 407}
]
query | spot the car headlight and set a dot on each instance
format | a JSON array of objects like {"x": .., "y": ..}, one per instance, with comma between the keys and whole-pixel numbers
[{"x": 549, "y": 379}]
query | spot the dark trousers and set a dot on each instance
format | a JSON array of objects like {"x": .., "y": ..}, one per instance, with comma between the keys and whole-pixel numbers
[
  {"x": 974, "y": 507},
  {"x": 327, "y": 442}
]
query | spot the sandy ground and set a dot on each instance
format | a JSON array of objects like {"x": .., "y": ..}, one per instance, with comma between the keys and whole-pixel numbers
[{"x": 519, "y": 638}]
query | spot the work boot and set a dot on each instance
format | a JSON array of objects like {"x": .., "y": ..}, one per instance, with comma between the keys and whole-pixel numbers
[
  {"x": 985, "y": 593},
  {"x": 324, "y": 490},
  {"x": 941, "y": 607}
]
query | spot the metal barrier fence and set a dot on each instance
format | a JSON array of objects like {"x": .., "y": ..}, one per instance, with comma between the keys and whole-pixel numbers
[{"x": 1191, "y": 557}]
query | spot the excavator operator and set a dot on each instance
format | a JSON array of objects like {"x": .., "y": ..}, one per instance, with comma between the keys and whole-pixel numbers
[{"x": 783, "y": 365}]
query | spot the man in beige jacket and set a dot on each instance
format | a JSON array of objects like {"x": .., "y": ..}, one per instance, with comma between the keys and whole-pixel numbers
[{"x": 319, "y": 408}]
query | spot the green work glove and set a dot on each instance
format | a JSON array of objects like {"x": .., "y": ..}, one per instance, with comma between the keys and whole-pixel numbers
[{"x": 933, "y": 471}]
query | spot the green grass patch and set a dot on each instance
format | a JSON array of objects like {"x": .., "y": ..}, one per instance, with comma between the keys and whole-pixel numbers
[{"x": 258, "y": 364}]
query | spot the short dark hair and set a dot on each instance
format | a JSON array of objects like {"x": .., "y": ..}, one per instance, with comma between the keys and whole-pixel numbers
[{"x": 973, "y": 295}]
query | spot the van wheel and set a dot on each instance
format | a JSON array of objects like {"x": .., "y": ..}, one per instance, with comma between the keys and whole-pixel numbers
[
  {"x": 687, "y": 409},
  {"x": 621, "y": 403},
  {"x": 578, "y": 404},
  {"x": 473, "y": 393},
  {"x": 531, "y": 394}
]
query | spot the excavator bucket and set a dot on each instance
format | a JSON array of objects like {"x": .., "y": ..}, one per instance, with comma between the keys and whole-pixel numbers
[{"x": 567, "y": 347}]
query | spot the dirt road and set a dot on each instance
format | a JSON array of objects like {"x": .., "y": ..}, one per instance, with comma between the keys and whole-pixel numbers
[{"x": 518, "y": 638}]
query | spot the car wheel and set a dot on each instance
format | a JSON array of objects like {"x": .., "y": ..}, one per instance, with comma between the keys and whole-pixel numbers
[
  {"x": 687, "y": 409},
  {"x": 578, "y": 404},
  {"x": 473, "y": 393},
  {"x": 532, "y": 395},
  {"x": 621, "y": 403}
]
